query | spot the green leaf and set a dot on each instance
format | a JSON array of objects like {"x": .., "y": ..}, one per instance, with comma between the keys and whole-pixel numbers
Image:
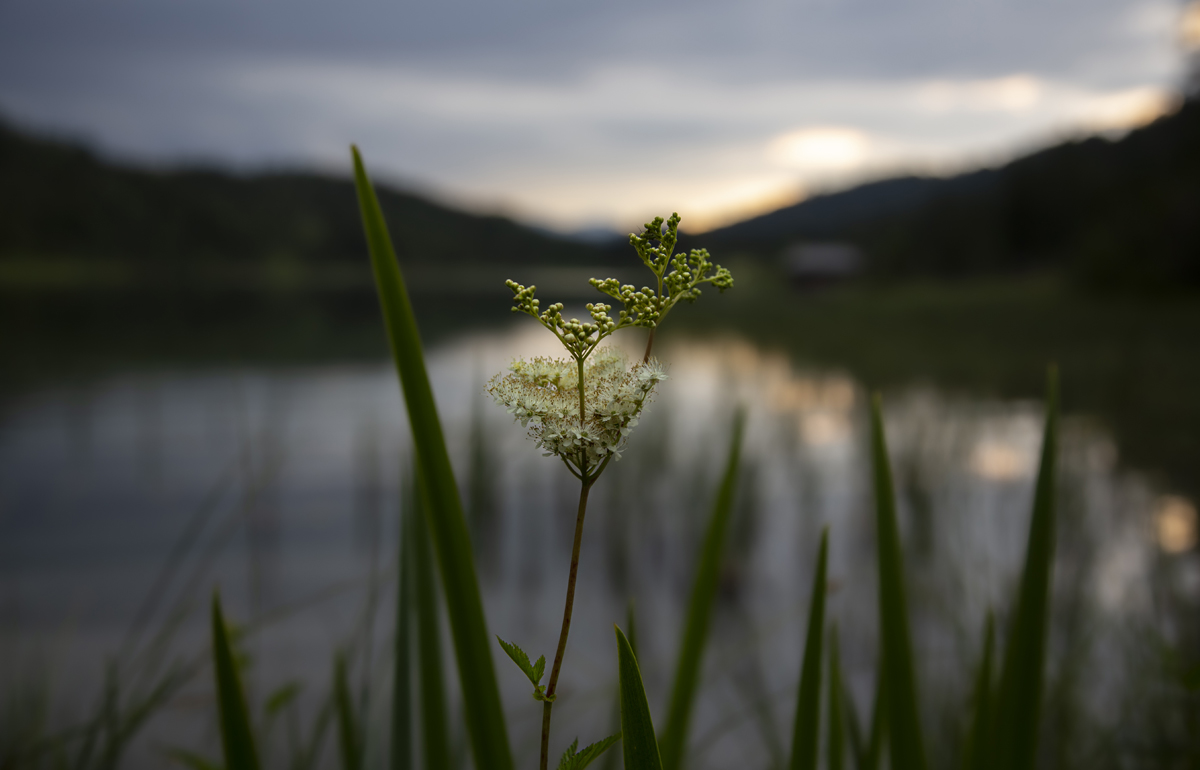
[
  {"x": 704, "y": 591},
  {"x": 979, "y": 749},
  {"x": 907, "y": 747},
  {"x": 402, "y": 733},
  {"x": 1018, "y": 707},
  {"x": 637, "y": 729},
  {"x": 433, "y": 686},
  {"x": 572, "y": 761},
  {"x": 191, "y": 759},
  {"x": 349, "y": 737},
  {"x": 533, "y": 671},
  {"x": 448, "y": 527},
  {"x": 836, "y": 739},
  {"x": 808, "y": 697},
  {"x": 237, "y": 738}
]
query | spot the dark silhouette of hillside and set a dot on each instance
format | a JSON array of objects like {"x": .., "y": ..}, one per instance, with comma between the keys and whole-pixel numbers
[
  {"x": 1113, "y": 214},
  {"x": 62, "y": 200}
]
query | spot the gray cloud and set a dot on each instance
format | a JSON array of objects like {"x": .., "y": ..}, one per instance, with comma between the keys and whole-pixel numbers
[{"x": 551, "y": 108}]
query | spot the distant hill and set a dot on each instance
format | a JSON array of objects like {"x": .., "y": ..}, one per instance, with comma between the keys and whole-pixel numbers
[
  {"x": 1123, "y": 213},
  {"x": 60, "y": 199}
]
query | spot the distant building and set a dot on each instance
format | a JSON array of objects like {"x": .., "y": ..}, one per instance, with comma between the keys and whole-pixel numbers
[{"x": 815, "y": 264}]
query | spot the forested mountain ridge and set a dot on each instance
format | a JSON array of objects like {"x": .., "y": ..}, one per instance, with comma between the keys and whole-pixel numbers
[
  {"x": 1112, "y": 213},
  {"x": 60, "y": 199}
]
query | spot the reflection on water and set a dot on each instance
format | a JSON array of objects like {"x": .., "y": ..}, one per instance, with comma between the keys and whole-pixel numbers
[{"x": 123, "y": 498}]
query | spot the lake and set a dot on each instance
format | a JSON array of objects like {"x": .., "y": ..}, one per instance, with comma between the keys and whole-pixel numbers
[{"x": 125, "y": 500}]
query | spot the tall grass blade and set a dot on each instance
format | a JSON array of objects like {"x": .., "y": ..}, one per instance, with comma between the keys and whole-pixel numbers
[
  {"x": 836, "y": 744},
  {"x": 401, "y": 757},
  {"x": 1020, "y": 690},
  {"x": 237, "y": 738},
  {"x": 808, "y": 696},
  {"x": 980, "y": 749},
  {"x": 447, "y": 525},
  {"x": 631, "y": 624},
  {"x": 704, "y": 591},
  {"x": 868, "y": 746},
  {"x": 905, "y": 742},
  {"x": 637, "y": 729},
  {"x": 610, "y": 759},
  {"x": 349, "y": 733},
  {"x": 436, "y": 737},
  {"x": 874, "y": 753}
]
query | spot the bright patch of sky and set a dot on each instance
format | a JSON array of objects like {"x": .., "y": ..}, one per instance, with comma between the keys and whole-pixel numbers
[{"x": 575, "y": 115}]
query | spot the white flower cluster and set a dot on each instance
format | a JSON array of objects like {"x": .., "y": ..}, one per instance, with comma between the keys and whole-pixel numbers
[{"x": 543, "y": 394}]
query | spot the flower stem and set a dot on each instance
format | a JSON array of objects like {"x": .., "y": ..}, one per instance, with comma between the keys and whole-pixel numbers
[
  {"x": 548, "y": 704},
  {"x": 582, "y": 411},
  {"x": 649, "y": 345}
]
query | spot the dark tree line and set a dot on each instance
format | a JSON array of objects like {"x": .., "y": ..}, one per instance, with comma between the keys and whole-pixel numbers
[
  {"x": 1119, "y": 213},
  {"x": 61, "y": 199}
]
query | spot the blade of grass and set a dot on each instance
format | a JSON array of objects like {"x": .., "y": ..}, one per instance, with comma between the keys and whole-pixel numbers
[
  {"x": 704, "y": 590},
  {"x": 836, "y": 738},
  {"x": 349, "y": 741},
  {"x": 879, "y": 723},
  {"x": 637, "y": 729},
  {"x": 237, "y": 738},
  {"x": 402, "y": 738},
  {"x": 451, "y": 539},
  {"x": 436, "y": 737},
  {"x": 808, "y": 696},
  {"x": 610, "y": 759},
  {"x": 631, "y": 623},
  {"x": 867, "y": 747},
  {"x": 854, "y": 731},
  {"x": 979, "y": 749},
  {"x": 907, "y": 747},
  {"x": 1020, "y": 689}
]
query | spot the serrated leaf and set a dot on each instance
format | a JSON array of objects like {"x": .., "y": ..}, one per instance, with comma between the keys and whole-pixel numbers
[
  {"x": 572, "y": 761},
  {"x": 522, "y": 660},
  {"x": 568, "y": 756}
]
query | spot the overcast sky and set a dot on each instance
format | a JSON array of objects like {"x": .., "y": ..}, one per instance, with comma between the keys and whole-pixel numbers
[{"x": 579, "y": 114}]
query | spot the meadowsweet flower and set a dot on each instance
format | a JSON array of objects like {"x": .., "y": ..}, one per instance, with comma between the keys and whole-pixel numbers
[{"x": 543, "y": 395}]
